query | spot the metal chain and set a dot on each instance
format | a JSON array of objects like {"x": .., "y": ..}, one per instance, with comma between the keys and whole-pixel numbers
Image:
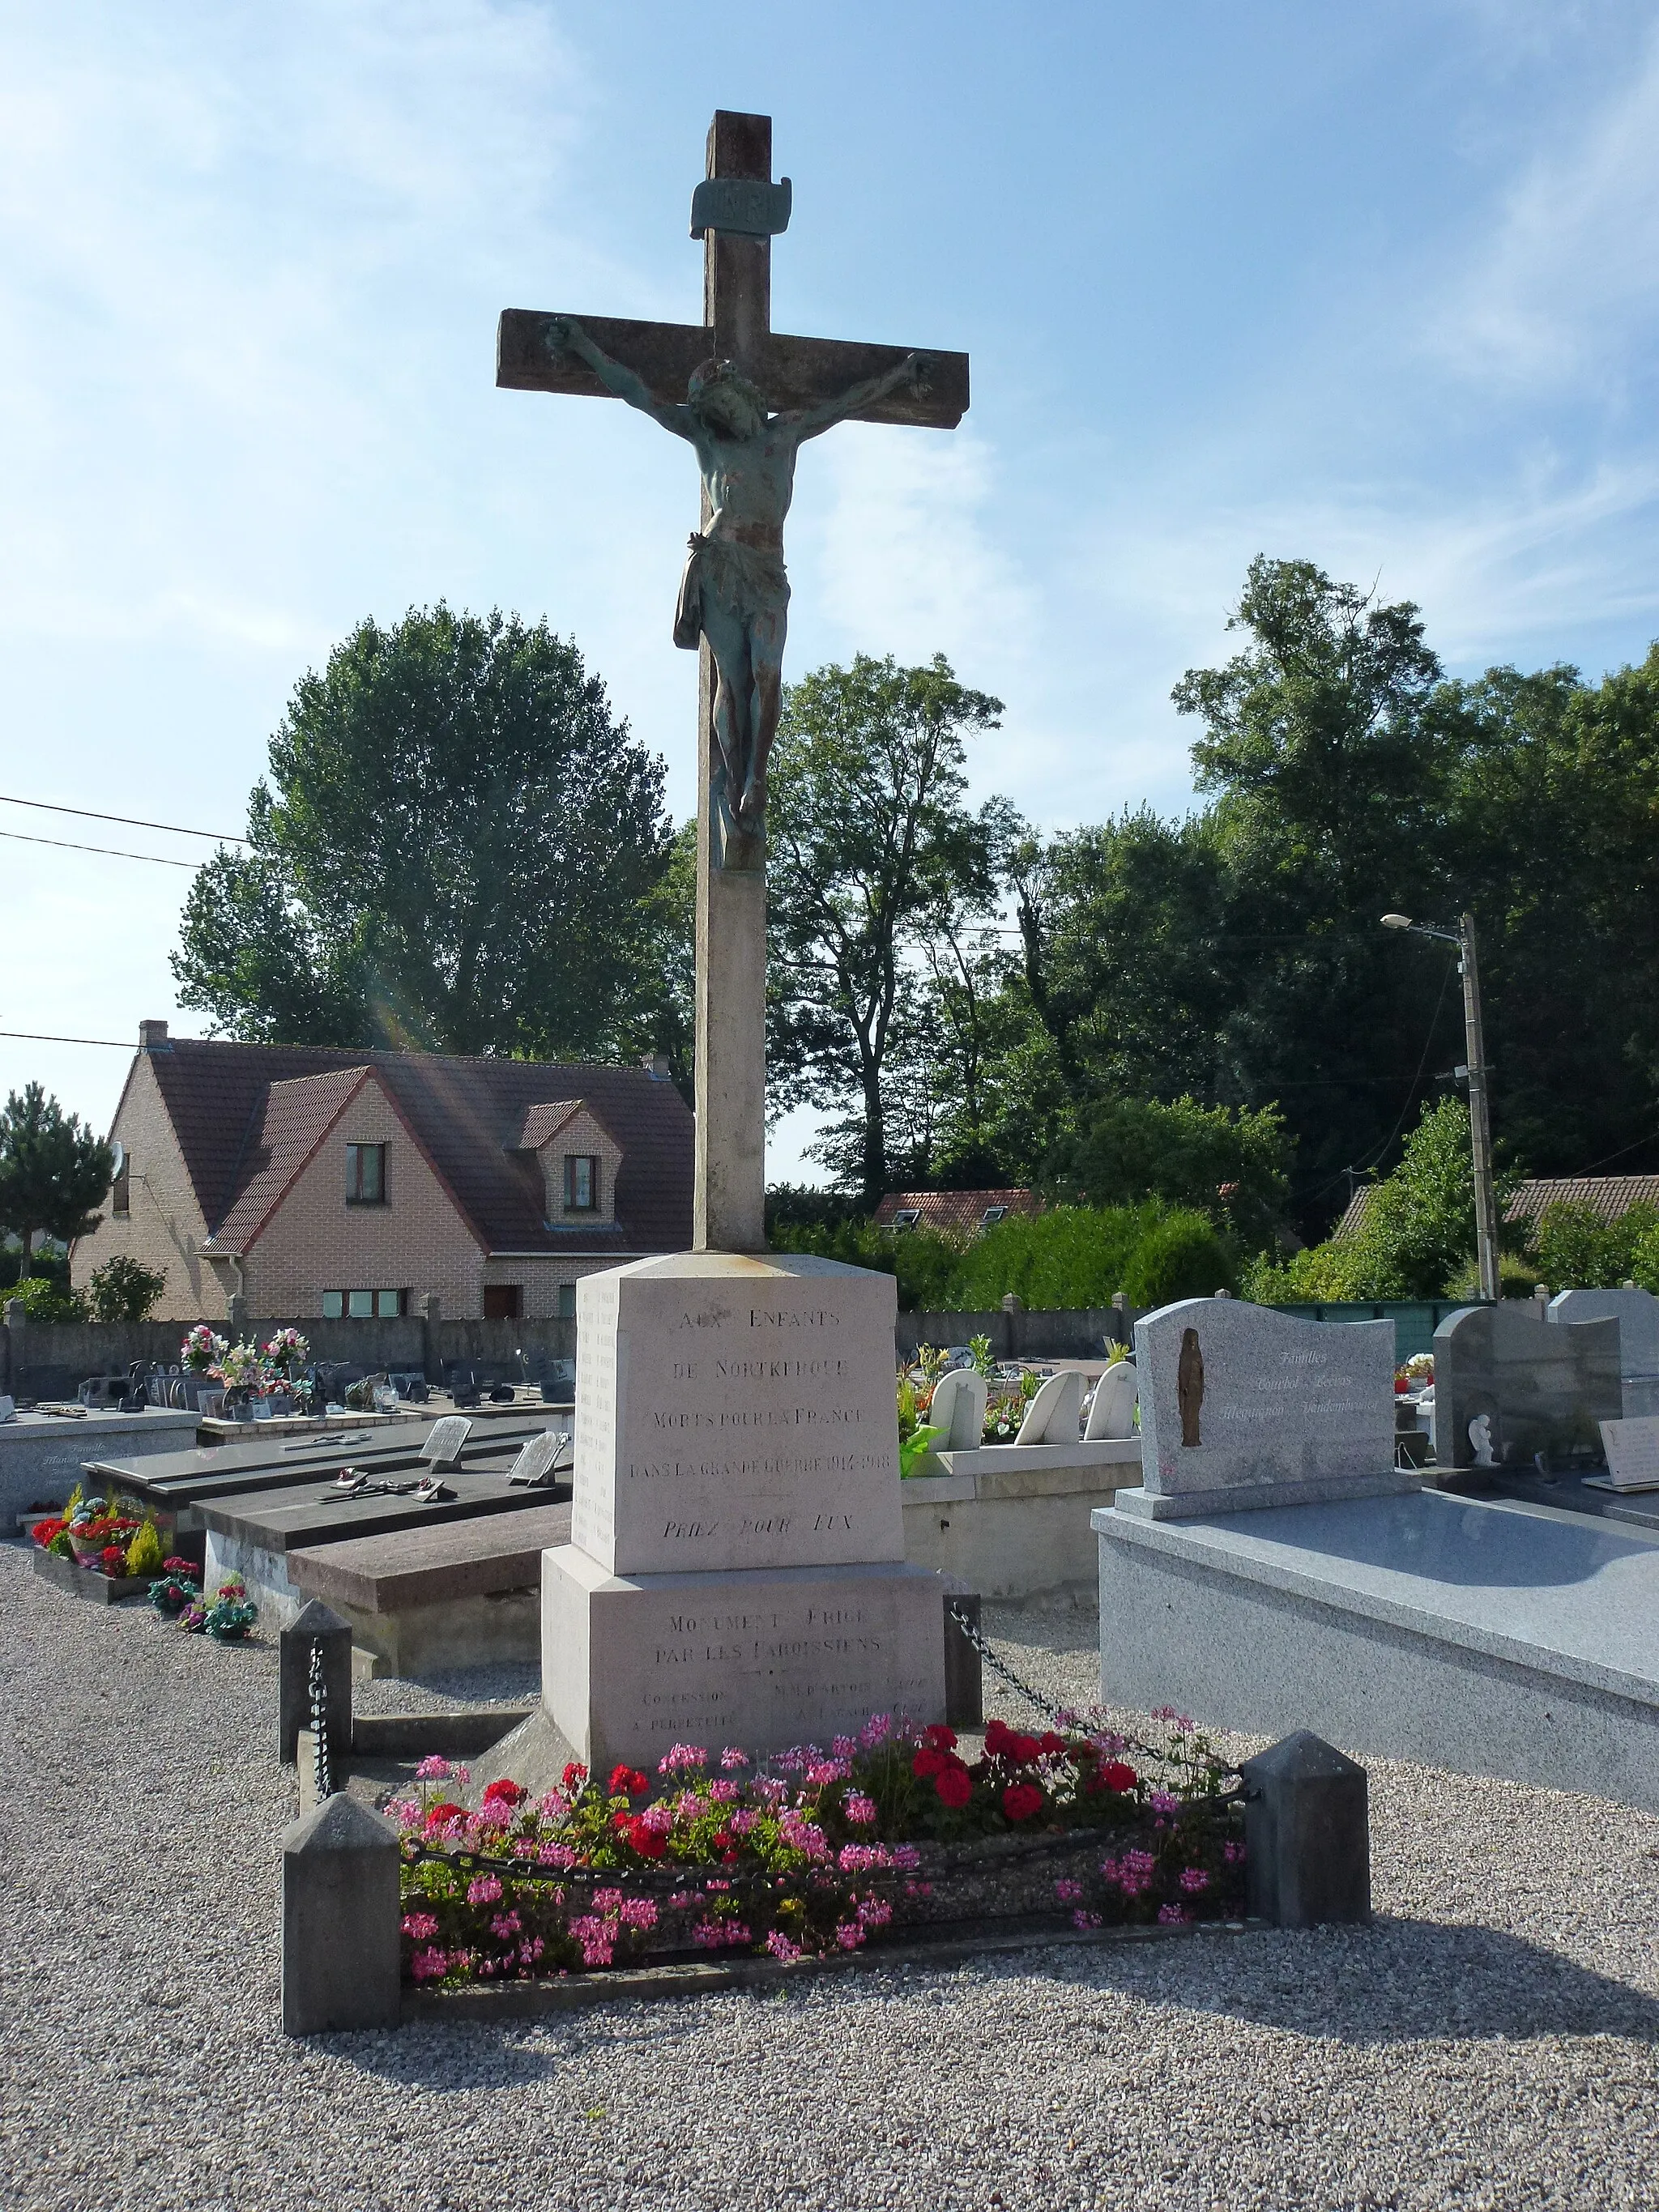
[
  {"x": 998, "y": 1665},
  {"x": 319, "y": 1690}
]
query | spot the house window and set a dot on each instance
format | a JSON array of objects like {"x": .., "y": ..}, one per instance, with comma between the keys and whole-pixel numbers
[
  {"x": 120, "y": 1191},
  {"x": 581, "y": 1182},
  {"x": 365, "y": 1175},
  {"x": 503, "y": 1301},
  {"x": 364, "y": 1305},
  {"x": 567, "y": 1302}
]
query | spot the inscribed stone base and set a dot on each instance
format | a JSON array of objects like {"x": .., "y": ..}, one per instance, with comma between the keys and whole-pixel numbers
[
  {"x": 1249, "y": 1497},
  {"x": 766, "y": 1658},
  {"x": 1482, "y": 1636},
  {"x": 735, "y": 1412}
]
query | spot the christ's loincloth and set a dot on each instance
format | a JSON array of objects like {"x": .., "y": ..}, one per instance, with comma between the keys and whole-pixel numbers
[{"x": 744, "y": 581}]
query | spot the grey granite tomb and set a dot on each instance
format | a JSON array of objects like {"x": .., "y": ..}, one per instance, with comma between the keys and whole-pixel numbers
[
  {"x": 1544, "y": 1390},
  {"x": 1637, "y": 1313},
  {"x": 1482, "y": 1635},
  {"x": 1242, "y": 1406}
]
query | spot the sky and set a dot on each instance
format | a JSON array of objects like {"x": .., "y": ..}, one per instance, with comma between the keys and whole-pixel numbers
[{"x": 1373, "y": 287}]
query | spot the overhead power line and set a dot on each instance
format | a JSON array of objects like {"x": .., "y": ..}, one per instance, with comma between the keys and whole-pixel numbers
[
  {"x": 127, "y": 821},
  {"x": 110, "y": 851},
  {"x": 34, "y": 1037}
]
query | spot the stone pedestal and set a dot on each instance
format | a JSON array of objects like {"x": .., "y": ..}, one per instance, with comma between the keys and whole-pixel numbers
[{"x": 736, "y": 1571}]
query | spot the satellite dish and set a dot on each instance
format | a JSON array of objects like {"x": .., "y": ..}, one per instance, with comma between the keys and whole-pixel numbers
[{"x": 118, "y": 1152}]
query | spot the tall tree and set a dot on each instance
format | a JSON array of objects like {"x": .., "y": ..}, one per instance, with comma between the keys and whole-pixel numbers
[
  {"x": 451, "y": 851},
  {"x": 53, "y": 1170},
  {"x": 872, "y": 852}
]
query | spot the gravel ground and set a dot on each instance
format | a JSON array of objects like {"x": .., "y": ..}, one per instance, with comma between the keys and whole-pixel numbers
[{"x": 1491, "y": 2041}]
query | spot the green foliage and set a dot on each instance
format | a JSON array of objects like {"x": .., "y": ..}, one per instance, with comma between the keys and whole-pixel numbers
[
  {"x": 1075, "y": 1256},
  {"x": 455, "y": 851},
  {"x": 144, "y": 1552},
  {"x": 46, "y": 1300},
  {"x": 1229, "y": 1162},
  {"x": 53, "y": 1170},
  {"x": 1414, "y": 1236},
  {"x": 872, "y": 852},
  {"x": 1574, "y": 1249},
  {"x": 123, "y": 1289}
]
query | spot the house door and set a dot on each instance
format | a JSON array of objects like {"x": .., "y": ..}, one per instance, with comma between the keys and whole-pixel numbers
[{"x": 503, "y": 1301}]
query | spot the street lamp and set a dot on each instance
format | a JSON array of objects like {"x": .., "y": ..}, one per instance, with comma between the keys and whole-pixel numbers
[{"x": 1486, "y": 1201}]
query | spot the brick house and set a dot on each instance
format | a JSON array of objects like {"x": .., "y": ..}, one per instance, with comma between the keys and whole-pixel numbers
[{"x": 312, "y": 1183}]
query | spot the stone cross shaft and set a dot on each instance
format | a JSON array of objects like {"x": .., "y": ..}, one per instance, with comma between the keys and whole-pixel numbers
[{"x": 791, "y": 373}]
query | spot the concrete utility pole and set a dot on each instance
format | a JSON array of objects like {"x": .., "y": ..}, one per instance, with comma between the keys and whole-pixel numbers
[{"x": 1485, "y": 1198}]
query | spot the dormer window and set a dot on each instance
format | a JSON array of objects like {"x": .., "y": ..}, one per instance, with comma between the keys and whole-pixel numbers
[
  {"x": 581, "y": 1182},
  {"x": 907, "y": 1217},
  {"x": 991, "y": 1215}
]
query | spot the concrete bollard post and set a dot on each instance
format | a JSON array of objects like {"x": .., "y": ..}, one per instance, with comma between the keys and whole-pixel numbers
[
  {"x": 965, "y": 1674},
  {"x": 314, "y": 1621},
  {"x": 1307, "y": 1834},
  {"x": 341, "y": 1963}
]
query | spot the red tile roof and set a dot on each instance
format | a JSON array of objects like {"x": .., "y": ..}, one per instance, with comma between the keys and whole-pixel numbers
[
  {"x": 1607, "y": 1197},
  {"x": 956, "y": 1211},
  {"x": 240, "y": 1110}
]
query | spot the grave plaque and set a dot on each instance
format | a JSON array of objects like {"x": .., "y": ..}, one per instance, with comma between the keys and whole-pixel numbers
[
  {"x": 1240, "y": 1408},
  {"x": 1543, "y": 1388},
  {"x": 1632, "y": 1450}
]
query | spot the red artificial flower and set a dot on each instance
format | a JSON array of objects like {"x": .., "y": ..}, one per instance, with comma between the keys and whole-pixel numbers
[
  {"x": 505, "y": 1793},
  {"x": 939, "y": 1737},
  {"x": 1022, "y": 1801},
  {"x": 1115, "y": 1775},
  {"x": 955, "y": 1786},
  {"x": 649, "y": 1842},
  {"x": 43, "y": 1531},
  {"x": 113, "y": 1559},
  {"x": 928, "y": 1762}
]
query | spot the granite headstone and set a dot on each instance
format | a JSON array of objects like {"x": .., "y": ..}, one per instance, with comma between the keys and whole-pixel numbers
[
  {"x": 1243, "y": 1408},
  {"x": 1637, "y": 1313},
  {"x": 1544, "y": 1389}
]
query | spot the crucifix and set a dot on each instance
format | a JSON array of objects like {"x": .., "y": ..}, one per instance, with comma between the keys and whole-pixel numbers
[{"x": 745, "y": 397}]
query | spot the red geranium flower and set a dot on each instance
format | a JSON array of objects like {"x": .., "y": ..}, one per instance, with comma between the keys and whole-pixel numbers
[
  {"x": 1022, "y": 1801},
  {"x": 441, "y": 1815},
  {"x": 939, "y": 1737},
  {"x": 573, "y": 1779},
  {"x": 1049, "y": 1743},
  {"x": 505, "y": 1793},
  {"x": 1115, "y": 1775},
  {"x": 998, "y": 1737},
  {"x": 928, "y": 1762},
  {"x": 628, "y": 1781},
  {"x": 954, "y": 1785},
  {"x": 1024, "y": 1750},
  {"x": 649, "y": 1842}
]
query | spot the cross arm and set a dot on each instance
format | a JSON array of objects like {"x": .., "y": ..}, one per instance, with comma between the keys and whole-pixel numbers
[{"x": 798, "y": 373}]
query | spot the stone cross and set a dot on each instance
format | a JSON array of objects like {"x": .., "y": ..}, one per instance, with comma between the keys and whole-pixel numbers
[{"x": 812, "y": 382}]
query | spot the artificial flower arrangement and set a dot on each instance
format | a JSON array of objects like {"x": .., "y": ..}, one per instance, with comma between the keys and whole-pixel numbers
[
  {"x": 97, "y": 1532},
  {"x": 202, "y": 1351},
  {"x": 227, "y": 1616},
  {"x": 178, "y": 1587},
  {"x": 810, "y": 1852},
  {"x": 287, "y": 1350}
]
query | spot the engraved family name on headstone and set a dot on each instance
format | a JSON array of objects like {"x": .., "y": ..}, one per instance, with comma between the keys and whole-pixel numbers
[{"x": 1241, "y": 1406}]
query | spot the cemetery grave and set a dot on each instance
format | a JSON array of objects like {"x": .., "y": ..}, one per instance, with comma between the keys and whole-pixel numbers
[{"x": 1483, "y": 1634}]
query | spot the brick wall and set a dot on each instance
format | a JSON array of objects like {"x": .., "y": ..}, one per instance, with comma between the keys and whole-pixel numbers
[
  {"x": 314, "y": 1241},
  {"x": 164, "y": 1228}
]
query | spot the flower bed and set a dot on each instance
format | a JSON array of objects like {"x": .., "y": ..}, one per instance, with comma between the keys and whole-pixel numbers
[{"x": 813, "y": 1851}]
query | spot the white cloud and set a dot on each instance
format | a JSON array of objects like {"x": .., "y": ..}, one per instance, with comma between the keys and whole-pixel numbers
[{"x": 1568, "y": 280}]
